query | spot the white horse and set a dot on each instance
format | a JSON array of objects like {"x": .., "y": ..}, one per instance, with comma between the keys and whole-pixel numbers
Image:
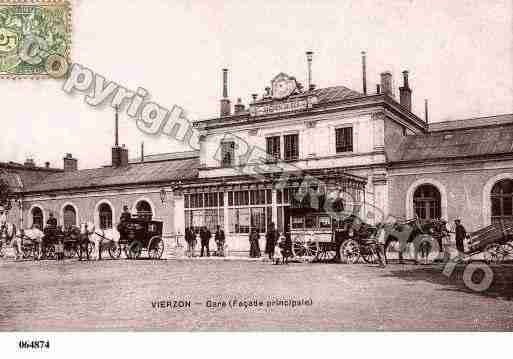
[
  {"x": 32, "y": 237},
  {"x": 7, "y": 232}
]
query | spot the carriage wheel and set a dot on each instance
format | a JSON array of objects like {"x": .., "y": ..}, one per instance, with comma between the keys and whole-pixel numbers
[
  {"x": 134, "y": 250},
  {"x": 369, "y": 256},
  {"x": 155, "y": 248},
  {"x": 507, "y": 252},
  {"x": 114, "y": 250},
  {"x": 50, "y": 252},
  {"x": 350, "y": 250},
  {"x": 491, "y": 253},
  {"x": 298, "y": 249},
  {"x": 70, "y": 251},
  {"x": 311, "y": 251},
  {"x": 326, "y": 254}
]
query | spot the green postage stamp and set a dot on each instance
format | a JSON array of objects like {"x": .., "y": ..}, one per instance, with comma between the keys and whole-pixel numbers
[{"x": 35, "y": 38}]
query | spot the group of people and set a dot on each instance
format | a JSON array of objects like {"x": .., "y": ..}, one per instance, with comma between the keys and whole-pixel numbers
[
  {"x": 204, "y": 234},
  {"x": 273, "y": 239}
]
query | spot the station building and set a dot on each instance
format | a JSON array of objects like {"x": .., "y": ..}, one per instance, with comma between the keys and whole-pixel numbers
[{"x": 254, "y": 158}]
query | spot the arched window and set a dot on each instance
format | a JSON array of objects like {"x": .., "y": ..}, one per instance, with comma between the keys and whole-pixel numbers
[
  {"x": 69, "y": 216},
  {"x": 502, "y": 201},
  {"x": 427, "y": 202},
  {"x": 37, "y": 217},
  {"x": 143, "y": 209},
  {"x": 105, "y": 214}
]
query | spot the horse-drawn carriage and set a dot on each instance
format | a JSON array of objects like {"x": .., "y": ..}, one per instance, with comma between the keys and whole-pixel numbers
[
  {"x": 320, "y": 237},
  {"x": 75, "y": 240},
  {"x": 138, "y": 235},
  {"x": 494, "y": 242}
]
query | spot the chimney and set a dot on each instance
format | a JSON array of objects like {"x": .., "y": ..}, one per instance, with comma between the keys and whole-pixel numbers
[
  {"x": 70, "y": 163},
  {"x": 405, "y": 92},
  {"x": 47, "y": 164},
  {"x": 378, "y": 89},
  {"x": 364, "y": 73},
  {"x": 254, "y": 97},
  {"x": 426, "y": 117},
  {"x": 225, "y": 101},
  {"x": 386, "y": 83},
  {"x": 239, "y": 107},
  {"x": 29, "y": 162},
  {"x": 309, "y": 57},
  {"x": 124, "y": 156},
  {"x": 312, "y": 87},
  {"x": 142, "y": 151}
]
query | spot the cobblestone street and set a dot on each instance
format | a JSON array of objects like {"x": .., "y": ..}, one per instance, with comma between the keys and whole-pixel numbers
[{"x": 122, "y": 295}]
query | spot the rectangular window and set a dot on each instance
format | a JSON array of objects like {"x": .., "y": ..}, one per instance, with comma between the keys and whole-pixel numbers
[
  {"x": 227, "y": 154},
  {"x": 344, "y": 139},
  {"x": 291, "y": 143},
  {"x": 273, "y": 148}
]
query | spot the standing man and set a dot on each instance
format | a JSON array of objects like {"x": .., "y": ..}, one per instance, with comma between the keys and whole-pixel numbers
[
  {"x": 205, "y": 239},
  {"x": 220, "y": 240},
  {"x": 52, "y": 221},
  {"x": 271, "y": 237},
  {"x": 461, "y": 234}
]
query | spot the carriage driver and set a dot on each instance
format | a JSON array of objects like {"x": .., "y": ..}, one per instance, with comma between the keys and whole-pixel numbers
[{"x": 125, "y": 216}]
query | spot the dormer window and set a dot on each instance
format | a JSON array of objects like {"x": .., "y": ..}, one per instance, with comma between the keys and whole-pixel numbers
[
  {"x": 227, "y": 154},
  {"x": 273, "y": 148},
  {"x": 344, "y": 139}
]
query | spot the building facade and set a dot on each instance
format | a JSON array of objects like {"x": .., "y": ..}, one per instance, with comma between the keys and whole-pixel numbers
[{"x": 365, "y": 153}]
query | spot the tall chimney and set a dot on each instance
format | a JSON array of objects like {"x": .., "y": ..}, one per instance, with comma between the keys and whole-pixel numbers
[
  {"x": 386, "y": 83},
  {"x": 405, "y": 92},
  {"x": 309, "y": 57},
  {"x": 426, "y": 115},
  {"x": 70, "y": 163},
  {"x": 116, "y": 125},
  {"x": 225, "y": 101},
  {"x": 238, "y": 107},
  {"x": 364, "y": 73}
]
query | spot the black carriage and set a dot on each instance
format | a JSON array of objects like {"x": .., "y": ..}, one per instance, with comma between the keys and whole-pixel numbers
[
  {"x": 494, "y": 242},
  {"x": 71, "y": 239},
  {"x": 322, "y": 237},
  {"x": 141, "y": 234}
]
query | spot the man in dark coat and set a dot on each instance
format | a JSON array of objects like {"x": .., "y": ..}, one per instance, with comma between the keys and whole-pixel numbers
[
  {"x": 271, "y": 237},
  {"x": 52, "y": 222},
  {"x": 125, "y": 216},
  {"x": 205, "y": 239},
  {"x": 220, "y": 240},
  {"x": 461, "y": 234}
]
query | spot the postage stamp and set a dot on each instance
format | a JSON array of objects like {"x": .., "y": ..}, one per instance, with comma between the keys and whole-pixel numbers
[{"x": 35, "y": 38}]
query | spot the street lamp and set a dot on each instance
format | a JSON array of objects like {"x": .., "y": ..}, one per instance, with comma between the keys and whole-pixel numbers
[{"x": 163, "y": 195}]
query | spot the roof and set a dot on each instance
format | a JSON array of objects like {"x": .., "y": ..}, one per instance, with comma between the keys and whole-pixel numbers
[
  {"x": 166, "y": 156},
  {"x": 472, "y": 123},
  {"x": 19, "y": 176},
  {"x": 333, "y": 94},
  {"x": 456, "y": 143},
  {"x": 136, "y": 173}
]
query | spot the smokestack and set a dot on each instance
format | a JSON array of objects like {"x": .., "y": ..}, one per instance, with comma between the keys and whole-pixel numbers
[
  {"x": 116, "y": 125},
  {"x": 405, "y": 92},
  {"x": 142, "y": 151},
  {"x": 309, "y": 57},
  {"x": 225, "y": 101},
  {"x": 386, "y": 83},
  {"x": 426, "y": 116},
  {"x": 70, "y": 163},
  {"x": 364, "y": 73},
  {"x": 238, "y": 107}
]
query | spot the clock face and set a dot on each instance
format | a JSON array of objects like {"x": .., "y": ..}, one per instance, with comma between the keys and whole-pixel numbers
[{"x": 283, "y": 86}]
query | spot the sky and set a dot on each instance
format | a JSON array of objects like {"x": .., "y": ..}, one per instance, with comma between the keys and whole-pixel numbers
[{"x": 459, "y": 55}]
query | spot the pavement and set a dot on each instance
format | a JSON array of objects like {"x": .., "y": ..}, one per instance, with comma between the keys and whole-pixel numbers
[{"x": 239, "y": 295}]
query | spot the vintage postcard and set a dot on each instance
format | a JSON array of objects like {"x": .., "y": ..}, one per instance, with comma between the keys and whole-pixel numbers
[{"x": 264, "y": 166}]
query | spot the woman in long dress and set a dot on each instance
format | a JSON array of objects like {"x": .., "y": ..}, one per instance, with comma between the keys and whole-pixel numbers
[
  {"x": 254, "y": 248},
  {"x": 271, "y": 237}
]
